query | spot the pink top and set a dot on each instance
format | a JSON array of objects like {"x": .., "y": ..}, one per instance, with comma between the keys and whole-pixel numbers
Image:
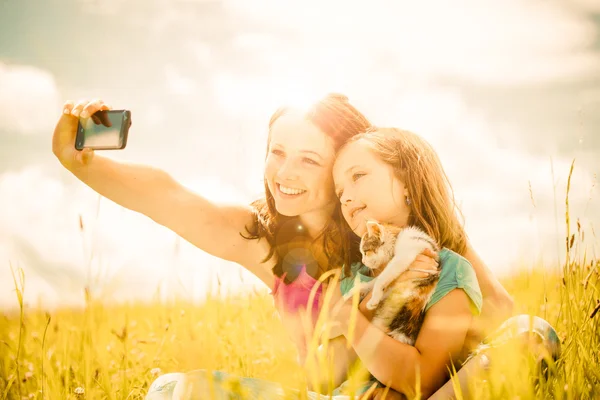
[{"x": 295, "y": 295}]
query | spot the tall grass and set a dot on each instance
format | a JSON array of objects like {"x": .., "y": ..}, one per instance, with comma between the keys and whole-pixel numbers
[{"x": 115, "y": 351}]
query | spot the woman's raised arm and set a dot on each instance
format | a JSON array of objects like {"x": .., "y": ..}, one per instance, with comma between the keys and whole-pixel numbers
[{"x": 212, "y": 227}]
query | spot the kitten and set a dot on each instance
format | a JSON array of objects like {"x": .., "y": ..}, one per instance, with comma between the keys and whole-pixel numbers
[{"x": 399, "y": 305}]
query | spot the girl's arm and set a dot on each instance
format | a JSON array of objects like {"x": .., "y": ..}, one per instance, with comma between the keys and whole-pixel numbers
[
  {"x": 338, "y": 350},
  {"x": 396, "y": 364}
]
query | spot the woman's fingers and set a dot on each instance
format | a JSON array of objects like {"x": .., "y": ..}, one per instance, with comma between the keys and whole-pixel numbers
[
  {"x": 104, "y": 119},
  {"x": 78, "y": 107},
  {"x": 91, "y": 107},
  {"x": 79, "y": 157},
  {"x": 68, "y": 106},
  {"x": 85, "y": 108}
]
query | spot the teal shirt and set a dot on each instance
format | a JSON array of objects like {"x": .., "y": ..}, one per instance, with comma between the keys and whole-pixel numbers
[{"x": 457, "y": 273}]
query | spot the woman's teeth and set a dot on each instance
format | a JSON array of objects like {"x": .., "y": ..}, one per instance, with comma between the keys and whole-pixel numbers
[{"x": 287, "y": 190}]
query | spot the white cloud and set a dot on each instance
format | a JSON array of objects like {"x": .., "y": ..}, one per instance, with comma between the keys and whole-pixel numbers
[
  {"x": 484, "y": 41},
  {"x": 508, "y": 42},
  {"x": 248, "y": 96},
  {"x": 29, "y": 99},
  {"x": 177, "y": 83},
  {"x": 255, "y": 41},
  {"x": 201, "y": 52},
  {"x": 585, "y": 5}
]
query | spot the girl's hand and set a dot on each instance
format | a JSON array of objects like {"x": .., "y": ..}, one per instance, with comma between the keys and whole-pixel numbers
[
  {"x": 65, "y": 132},
  {"x": 427, "y": 260}
]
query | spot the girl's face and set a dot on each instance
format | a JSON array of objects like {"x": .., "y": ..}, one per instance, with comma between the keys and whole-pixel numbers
[
  {"x": 368, "y": 189},
  {"x": 298, "y": 167}
]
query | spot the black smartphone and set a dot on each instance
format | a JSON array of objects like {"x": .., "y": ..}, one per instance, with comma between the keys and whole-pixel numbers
[{"x": 104, "y": 130}]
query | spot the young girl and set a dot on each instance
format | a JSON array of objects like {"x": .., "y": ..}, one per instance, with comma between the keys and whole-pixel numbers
[{"x": 394, "y": 176}]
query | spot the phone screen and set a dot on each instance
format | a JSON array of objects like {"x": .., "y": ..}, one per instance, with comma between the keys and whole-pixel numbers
[{"x": 103, "y": 130}]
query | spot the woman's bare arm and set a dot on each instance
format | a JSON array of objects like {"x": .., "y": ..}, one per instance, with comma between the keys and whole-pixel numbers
[
  {"x": 497, "y": 302},
  {"x": 214, "y": 228}
]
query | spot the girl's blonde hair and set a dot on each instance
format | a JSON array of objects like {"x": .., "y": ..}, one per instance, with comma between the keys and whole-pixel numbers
[{"x": 433, "y": 207}]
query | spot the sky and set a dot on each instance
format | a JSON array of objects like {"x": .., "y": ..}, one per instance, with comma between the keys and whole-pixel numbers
[{"x": 508, "y": 93}]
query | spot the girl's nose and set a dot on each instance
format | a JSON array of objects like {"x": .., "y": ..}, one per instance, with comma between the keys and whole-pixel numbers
[{"x": 346, "y": 198}]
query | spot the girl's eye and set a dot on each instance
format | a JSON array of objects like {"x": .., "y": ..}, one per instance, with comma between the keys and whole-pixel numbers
[
  {"x": 277, "y": 152},
  {"x": 357, "y": 176},
  {"x": 311, "y": 161}
]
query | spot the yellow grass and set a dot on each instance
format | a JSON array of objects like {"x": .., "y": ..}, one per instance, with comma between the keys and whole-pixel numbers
[{"x": 115, "y": 352}]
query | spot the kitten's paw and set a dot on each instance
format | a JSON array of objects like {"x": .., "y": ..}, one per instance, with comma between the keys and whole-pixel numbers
[
  {"x": 375, "y": 297},
  {"x": 372, "y": 304}
]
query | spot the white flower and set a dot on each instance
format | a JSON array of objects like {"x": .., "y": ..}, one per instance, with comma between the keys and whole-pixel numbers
[
  {"x": 79, "y": 390},
  {"x": 155, "y": 371}
]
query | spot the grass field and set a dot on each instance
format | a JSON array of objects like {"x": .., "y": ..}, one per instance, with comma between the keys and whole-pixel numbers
[{"x": 115, "y": 352}]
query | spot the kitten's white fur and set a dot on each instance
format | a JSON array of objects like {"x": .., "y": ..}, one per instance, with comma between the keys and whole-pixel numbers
[
  {"x": 406, "y": 249},
  {"x": 410, "y": 242}
]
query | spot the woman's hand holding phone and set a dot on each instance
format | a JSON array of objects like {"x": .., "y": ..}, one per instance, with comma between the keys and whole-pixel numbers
[{"x": 65, "y": 132}]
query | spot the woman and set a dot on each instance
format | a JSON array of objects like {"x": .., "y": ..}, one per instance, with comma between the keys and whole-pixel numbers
[{"x": 296, "y": 213}]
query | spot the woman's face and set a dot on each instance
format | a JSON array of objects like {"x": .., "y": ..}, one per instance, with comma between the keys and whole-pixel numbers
[
  {"x": 368, "y": 189},
  {"x": 298, "y": 166}
]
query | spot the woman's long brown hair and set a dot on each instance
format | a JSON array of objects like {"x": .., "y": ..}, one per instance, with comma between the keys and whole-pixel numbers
[{"x": 339, "y": 120}]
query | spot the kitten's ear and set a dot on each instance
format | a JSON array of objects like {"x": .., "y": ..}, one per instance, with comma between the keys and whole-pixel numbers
[
  {"x": 373, "y": 228},
  {"x": 362, "y": 240}
]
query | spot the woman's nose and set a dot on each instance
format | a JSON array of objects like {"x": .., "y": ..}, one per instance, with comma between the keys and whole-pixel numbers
[{"x": 287, "y": 171}]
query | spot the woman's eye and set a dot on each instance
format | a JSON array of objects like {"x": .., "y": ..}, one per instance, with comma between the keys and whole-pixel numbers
[
  {"x": 357, "y": 176},
  {"x": 277, "y": 152},
  {"x": 311, "y": 161}
]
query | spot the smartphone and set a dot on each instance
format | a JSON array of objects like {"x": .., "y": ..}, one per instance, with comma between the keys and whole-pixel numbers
[{"x": 104, "y": 130}]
